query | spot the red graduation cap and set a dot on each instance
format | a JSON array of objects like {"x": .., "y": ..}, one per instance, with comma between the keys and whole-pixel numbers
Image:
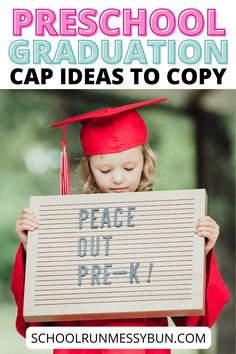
[{"x": 105, "y": 131}]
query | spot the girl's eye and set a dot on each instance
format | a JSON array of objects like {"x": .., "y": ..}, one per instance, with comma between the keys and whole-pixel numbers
[
  {"x": 106, "y": 171},
  {"x": 129, "y": 169}
]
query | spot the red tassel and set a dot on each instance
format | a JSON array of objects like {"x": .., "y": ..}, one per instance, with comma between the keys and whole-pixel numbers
[{"x": 65, "y": 169}]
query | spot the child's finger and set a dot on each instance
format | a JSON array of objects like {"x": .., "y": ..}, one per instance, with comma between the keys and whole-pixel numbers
[
  {"x": 206, "y": 228},
  {"x": 206, "y": 234},
  {"x": 28, "y": 217},
  {"x": 209, "y": 245},
  {"x": 214, "y": 226},
  {"x": 206, "y": 220},
  {"x": 24, "y": 224},
  {"x": 27, "y": 226},
  {"x": 28, "y": 211}
]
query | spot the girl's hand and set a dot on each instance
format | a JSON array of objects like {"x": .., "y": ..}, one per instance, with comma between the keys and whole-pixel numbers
[
  {"x": 208, "y": 228},
  {"x": 26, "y": 222}
]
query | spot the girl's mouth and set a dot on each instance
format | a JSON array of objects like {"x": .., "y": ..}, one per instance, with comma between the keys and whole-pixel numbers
[{"x": 119, "y": 190}]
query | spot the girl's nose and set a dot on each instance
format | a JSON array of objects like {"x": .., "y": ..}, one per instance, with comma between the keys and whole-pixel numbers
[{"x": 117, "y": 177}]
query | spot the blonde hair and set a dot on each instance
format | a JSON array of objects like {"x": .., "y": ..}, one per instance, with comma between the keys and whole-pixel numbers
[{"x": 146, "y": 182}]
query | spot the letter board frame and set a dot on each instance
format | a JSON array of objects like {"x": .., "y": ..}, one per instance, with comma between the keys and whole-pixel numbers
[{"x": 115, "y": 255}]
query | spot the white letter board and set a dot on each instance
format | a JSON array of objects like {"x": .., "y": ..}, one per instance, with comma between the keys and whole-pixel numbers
[{"x": 119, "y": 255}]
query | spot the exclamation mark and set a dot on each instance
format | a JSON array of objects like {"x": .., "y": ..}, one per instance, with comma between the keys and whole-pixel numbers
[{"x": 149, "y": 273}]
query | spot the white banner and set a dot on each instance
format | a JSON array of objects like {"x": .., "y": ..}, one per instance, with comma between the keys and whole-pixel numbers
[
  {"x": 110, "y": 45},
  {"x": 118, "y": 337}
]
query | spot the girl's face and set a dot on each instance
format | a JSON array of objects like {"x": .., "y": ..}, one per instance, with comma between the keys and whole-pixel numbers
[{"x": 119, "y": 172}]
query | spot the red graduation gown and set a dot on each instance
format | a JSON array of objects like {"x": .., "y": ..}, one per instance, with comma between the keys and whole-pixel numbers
[{"x": 217, "y": 296}]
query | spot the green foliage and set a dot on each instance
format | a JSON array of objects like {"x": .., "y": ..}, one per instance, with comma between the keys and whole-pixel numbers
[{"x": 11, "y": 341}]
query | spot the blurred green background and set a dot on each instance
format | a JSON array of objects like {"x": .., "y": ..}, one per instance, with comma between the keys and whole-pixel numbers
[{"x": 193, "y": 135}]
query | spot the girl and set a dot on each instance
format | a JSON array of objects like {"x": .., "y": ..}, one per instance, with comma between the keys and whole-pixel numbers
[{"x": 118, "y": 159}]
